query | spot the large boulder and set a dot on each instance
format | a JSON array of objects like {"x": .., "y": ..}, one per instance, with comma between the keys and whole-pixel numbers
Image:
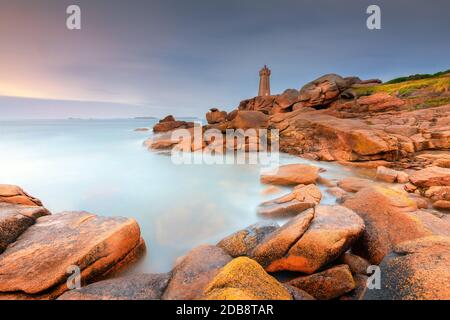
[
  {"x": 216, "y": 116},
  {"x": 390, "y": 217},
  {"x": 306, "y": 245},
  {"x": 169, "y": 124},
  {"x": 326, "y": 285},
  {"x": 322, "y": 91},
  {"x": 244, "y": 279},
  {"x": 249, "y": 120},
  {"x": 133, "y": 287},
  {"x": 277, "y": 244},
  {"x": 415, "y": 270},
  {"x": 36, "y": 265},
  {"x": 15, "y": 195},
  {"x": 301, "y": 198},
  {"x": 431, "y": 176},
  {"x": 291, "y": 174},
  {"x": 242, "y": 242},
  {"x": 194, "y": 271},
  {"x": 285, "y": 101},
  {"x": 15, "y": 219},
  {"x": 264, "y": 104}
]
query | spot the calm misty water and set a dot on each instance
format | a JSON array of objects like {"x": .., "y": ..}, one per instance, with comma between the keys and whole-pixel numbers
[{"x": 100, "y": 166}]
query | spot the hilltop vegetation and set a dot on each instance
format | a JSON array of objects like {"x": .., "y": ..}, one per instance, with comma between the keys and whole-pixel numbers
[{"x": 419, "y": 91}]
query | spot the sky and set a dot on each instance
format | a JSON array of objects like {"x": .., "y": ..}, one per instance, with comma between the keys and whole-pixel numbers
[{"x": 158, "y": 57}]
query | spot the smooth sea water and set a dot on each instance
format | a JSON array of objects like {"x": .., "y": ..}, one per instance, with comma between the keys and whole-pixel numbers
[{"x": 101, "y": 166}]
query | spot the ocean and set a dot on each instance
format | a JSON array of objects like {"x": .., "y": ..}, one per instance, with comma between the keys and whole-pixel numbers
[{"x": 101, "y": 166}]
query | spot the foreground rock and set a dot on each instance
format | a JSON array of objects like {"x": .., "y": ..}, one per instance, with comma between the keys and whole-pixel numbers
[
  {"x": 305, "y": 245},
  {"x": 243, "y": 242},
  {"x": 36, "y": 265},
  {"x": 135, "y": 287},
  {"x": 194, "y": 271},
  {"x": 277, "y": 244},
  {"x": 326, "y": 285},
  {"x": 15, "y": 195},
  {"x": 244, "y": 279},
  {"x": 291, "y": 174},
  {"x": 415, "y": 270},
  {"x": 15, "y": 219},
  {"x": 301, "y": 198},
  {"x": 393, "y": 218}
]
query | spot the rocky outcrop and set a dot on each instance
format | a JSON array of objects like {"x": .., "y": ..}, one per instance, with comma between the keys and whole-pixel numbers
[
  {"x": 385, "y": 131},
  {"x": 278, "y": 243},
  {"x": 36, "y": 265},
  {"x": 301, "y": 198},
  {"x": 415, "y": 270},
  {"x": 194, "y": 271},
  {"x": 328, "y": 284},
  {"x": 215, "y": 116},
  {"x": 242, "y": 243},
  {"x": 15, "y": 195},
  {"x": 169, "y": 124},
  {"x": 15, "y": 219},
  {"x": 306, "y": 244},
  {"x": 322, "y": 91},
  {"x": 431, "y": 176},
  {"x": 249, "y": 120},
  {"x": 133, "y": 287},
  {"x": 393, "y": 219},
  {"x": 291, "y": 174},
  {"x": 244, "y": 279}
]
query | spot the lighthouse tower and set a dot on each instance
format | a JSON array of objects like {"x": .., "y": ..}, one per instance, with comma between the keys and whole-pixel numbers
[{"x": 264, "y": 82}]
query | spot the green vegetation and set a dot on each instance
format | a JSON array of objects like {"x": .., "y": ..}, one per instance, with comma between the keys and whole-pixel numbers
[
  {"x": 418, "y": 77},
  {"x": 408, "y": 88},
  {"x": 433, "y": 102}
]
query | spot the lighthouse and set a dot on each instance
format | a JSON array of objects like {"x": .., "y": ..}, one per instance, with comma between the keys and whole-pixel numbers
[{"x": 264, "y": 82}]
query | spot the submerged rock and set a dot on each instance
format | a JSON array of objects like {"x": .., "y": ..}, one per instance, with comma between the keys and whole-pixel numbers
[
  {"x": 134, "y": 287},
  {"x": 194, "y": 271},
  {"x": 301, "y": 198},
  {"x": 244, "y": 279},
  {"x": 292, "y": 174},
  {"x": 354, "y": 184},
  {"x": 326, "y": 285}
]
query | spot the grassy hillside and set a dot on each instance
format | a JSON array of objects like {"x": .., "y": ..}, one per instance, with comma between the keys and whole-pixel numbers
[{"x": 420, "y": 93}]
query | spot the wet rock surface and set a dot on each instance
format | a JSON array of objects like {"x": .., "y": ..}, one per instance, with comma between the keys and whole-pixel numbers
[
  {"x": 134, "y": 287},
  {"x": 415, "y": 270},
  {"x": 194, "y": 271},
  {"x": 39, "y": 259}
]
